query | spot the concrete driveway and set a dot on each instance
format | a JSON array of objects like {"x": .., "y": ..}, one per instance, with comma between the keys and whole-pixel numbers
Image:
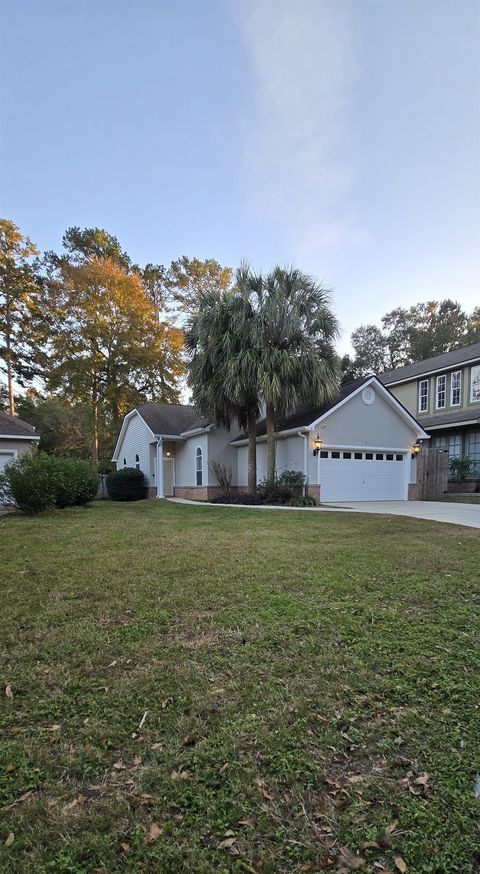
[{"x": 436, "y": 511}]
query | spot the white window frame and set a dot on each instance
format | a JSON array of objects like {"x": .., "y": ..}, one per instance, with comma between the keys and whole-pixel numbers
[
  {"x": 455, "y": 374},
  {"x": 198, "y": 454},
  {"x": 423, "y": 382},
  {"x": 137, "y": 461},
  {"x": 437, "y": 389},
  {"x": 475, "y": 372},
  {"x": 124, "y": 462}
]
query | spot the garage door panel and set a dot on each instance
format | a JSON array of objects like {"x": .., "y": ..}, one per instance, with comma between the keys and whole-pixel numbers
[{"x": 362, "y": 479}]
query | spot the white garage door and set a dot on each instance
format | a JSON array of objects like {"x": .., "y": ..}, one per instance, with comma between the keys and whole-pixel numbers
[
  {"x": 362, "y": 476},
  {"x": 5, "y": 457}
]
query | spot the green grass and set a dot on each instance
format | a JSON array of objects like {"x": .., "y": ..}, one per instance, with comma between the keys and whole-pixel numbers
[
  {"x": 463, "y": 499},
  {"x": 310, "y": 683}
]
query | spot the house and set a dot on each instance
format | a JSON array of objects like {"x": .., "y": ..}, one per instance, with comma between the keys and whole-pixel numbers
[
  {"x": 16, "y": 437},
  {"x": 443, "y": 394},
  {"x": 359, "y": 447}
]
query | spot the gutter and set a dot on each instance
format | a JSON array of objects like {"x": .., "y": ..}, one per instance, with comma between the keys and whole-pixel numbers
[
  {"x": 288, "y": 433},
  {"x": 446, "y": 369}
]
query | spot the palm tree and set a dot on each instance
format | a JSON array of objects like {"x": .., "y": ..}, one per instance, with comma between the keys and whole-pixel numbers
[
  {"x": 293, "y": 333},
  {"x": 222, "y": 371}
]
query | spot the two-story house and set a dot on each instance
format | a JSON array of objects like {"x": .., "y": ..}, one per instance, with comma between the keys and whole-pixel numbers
[{"x": 443, "y": 393}]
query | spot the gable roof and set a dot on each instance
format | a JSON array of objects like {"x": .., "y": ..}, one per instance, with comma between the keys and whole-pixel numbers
[
  {"x": 307, "y": 416},
  {"x": 10, "y": 426},
  {"x": 168, "y": 418},
  {"x": 439, "y": 362}
]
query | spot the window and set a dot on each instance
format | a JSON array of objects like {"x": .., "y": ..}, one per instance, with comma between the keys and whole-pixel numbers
[
  {"x": 475, "y": 384},
  {"x": 455, "y": 388},
  {"x": 441, "y": 384},
  {"x": 389, "y": 456},
  {"x": 379, "y": 456},
  {"x": 423, "y": 396},
  {"x": 137, "y": 462},
  {"x": 323, "y": 453},
  {"x": 473, "y": 452},
  {"x": 399, "y": 457},
  {"x": 358, "y": 456},
  {"x": 347, "y": 454},
  {"x": 440, "y": 442},
  {"x": 455, "y": 446},
  {"x": 199, "y": 467},
  {"x": 124, "y": 462},
  {"x": 369, "y": 456},
  {"x": 335, "y": 455}
]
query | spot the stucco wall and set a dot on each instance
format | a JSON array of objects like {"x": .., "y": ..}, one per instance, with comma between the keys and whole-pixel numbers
[{"x": 136, "y": 440}]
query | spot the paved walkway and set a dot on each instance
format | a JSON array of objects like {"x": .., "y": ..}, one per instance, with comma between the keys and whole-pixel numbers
[{"x": 435, "y": 511}]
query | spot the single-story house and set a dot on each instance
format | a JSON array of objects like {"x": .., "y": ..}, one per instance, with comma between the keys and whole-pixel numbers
[
  {"x": 358, "y": 448},
  {"x": 16, "y": 437}
]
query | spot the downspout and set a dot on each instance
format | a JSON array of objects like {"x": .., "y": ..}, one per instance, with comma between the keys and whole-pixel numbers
[
  {"x": 160, "y": 468},
  {"x": 305, "y": 459}
]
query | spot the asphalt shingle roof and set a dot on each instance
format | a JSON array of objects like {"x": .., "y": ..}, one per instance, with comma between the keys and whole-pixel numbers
[
  {"x": 171, "y": 418},
  {"x": 453, "y": 418},
  {"x": 438, "y": 362},
  {"x": 305, "y": 414},
  {"x": 10, "y": 426}
]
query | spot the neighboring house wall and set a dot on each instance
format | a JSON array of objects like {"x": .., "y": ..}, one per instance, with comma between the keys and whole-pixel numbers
[
  {"x": 17, "y": 446},
  {"x": 136, "y": 441}
]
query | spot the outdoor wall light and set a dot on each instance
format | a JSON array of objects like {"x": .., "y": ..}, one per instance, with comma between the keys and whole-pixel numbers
[
  {"x": 317, "y": 445},
  {"x": 416, "y": 449}
]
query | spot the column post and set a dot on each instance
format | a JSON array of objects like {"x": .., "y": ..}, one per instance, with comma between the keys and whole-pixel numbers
[{"x": 160, "y": 468}]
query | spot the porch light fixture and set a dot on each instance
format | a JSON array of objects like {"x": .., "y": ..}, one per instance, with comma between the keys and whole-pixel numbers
[
  {"x": 416, "y": 449},
  {"x": 317, "y": 445}
]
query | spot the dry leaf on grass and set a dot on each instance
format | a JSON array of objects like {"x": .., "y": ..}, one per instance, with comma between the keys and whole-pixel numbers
[
  {"x": 166, "y": 702},
  {"x": 54, "y": 727},
  {"x": 226, "y": 844},
  {"x": 125, "y": 847},
  {"x": 423, "y": 779},
  {"x": 152, "y": 833},
  {"x": 251, "y": 822},
  {"x": 80, "y": 799},
  {"x": 158, "y": 746},
  {"x": 391, "y": 827},
  {"x": 349, "y": 860},
  {"x": 137, "y": 760},
  {"x": 400, "y": 864},
  {"x": 120, "y": 766},
  {"x": 8, "y": 691},
  {"x": 10, "y": 840}
]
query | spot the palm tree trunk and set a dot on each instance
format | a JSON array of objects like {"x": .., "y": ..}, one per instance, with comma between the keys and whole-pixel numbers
[
  {"x": 270, "y": 446},
  {"x": 252, "y": 453}
]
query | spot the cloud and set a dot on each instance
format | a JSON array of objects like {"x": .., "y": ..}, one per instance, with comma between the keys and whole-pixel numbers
[{"x": 298, "y": 171}]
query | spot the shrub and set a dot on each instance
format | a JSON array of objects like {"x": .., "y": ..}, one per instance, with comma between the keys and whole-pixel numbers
[
  {"x": 460, "y": 468},
  {"x": 127, "y": 484},
  {"x": 223, "y": 475},
  {"x": 77, "y": 482},
  {"x": 287, "y": 486},
  {"x": 36, "y": 482},
  {"x": 245, "y": 498},
  {"x": 303, "y": 501}
]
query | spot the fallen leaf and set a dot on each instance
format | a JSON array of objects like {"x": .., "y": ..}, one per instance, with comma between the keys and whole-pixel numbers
[
  {"x": 423, "y": 779},
  {"x": 120, "y": 766},
  {"x": 10, "y": 840},
  {"x": 225, "y": 845},
  {"x": 357, "y": 778},
  {"x": 350, "y": 860},
  {"x": 152, "y": 833},
  {"x": 54, "y": 727},
  {"x": 166, "y": 702},
  {"x": 217, "y": 691},
  {"x": 229, "y": 834},
  {"x": 251, "y": 822},
  {"x": 158, "y": 746},
  {"x": 112, "y": 664},
  {"x": 125, "y": 847},
  {"x": 9, "y": 694},
  {"x": 11, "y": 768},
  {"x": 137, "y": 760},
  {"x": 224, "y": 768},
  {"x": 369, "y": 845},
  {"x": 391, "y": 827},
  {"x": 400, "y": 864}
]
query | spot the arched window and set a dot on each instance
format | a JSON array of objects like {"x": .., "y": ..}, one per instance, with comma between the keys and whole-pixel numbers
[
  {"x": 124, "y": 462},
  {"x": 137, "y": 462},
  {"x": 199, "y": 467}
]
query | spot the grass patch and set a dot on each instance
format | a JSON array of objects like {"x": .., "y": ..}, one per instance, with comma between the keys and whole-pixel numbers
[
  {"x": 462, "y": 499},
  {"x": 310, "y": 683}
]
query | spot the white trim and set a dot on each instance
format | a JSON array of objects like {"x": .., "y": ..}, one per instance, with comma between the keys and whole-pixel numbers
[
  {"x": 444, "y": 377},
  {"x": 472, "y": 399},
  {"x": 13, "y": 452},
  {"x": 19, "y": 437},
  {"x": 197, "y": 448},
  {"x": 196, "y": 431},
  {"x": 444, "y": 369},
  {"x": 159, "y": 468},
  {"x": 454, "y": 424},
  {"x": 427, "y": 398},
  {"x": 459, "y": 402},
  {"x": 365, "y": 448}
]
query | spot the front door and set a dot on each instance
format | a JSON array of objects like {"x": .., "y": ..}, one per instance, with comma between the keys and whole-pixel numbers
[{"x": 168, "y": 477}]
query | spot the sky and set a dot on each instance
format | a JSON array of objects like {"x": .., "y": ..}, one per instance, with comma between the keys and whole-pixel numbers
[{"x": 342, "y": 137}]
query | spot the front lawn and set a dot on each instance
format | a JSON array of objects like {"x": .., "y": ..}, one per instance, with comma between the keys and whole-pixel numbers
[
  {"x": 463, "y": 499},
  {"x": 199, "y": 689}
]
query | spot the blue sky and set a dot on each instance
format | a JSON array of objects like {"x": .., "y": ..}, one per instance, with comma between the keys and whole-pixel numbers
[{"x": 343, "y": 137}]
